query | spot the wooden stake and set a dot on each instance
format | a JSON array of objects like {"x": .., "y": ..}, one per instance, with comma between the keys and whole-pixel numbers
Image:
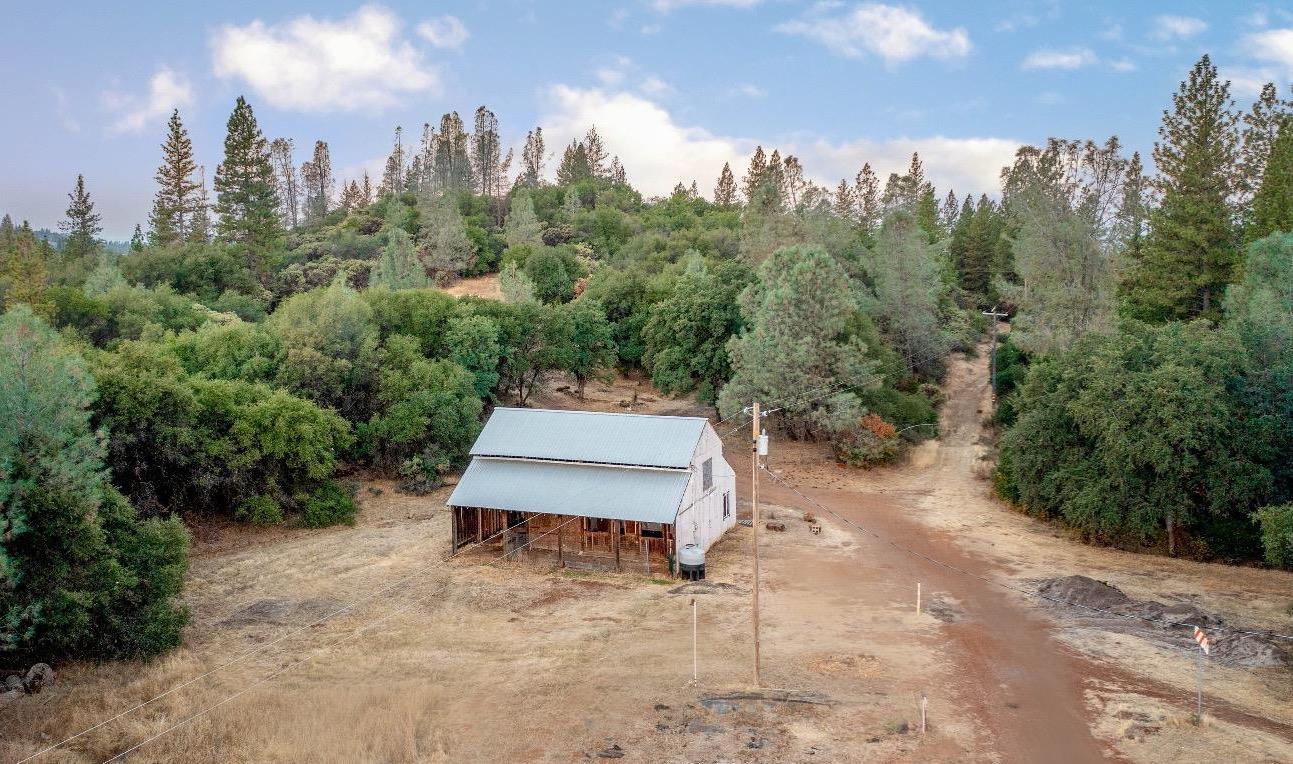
[
  {"x": 754, "y": 516},
  {"x": 924, "y": 701},
  {"x": 917, "y": 598},
  {"x": 561, "y": 559},
  {"x": 694, "y": 665}
]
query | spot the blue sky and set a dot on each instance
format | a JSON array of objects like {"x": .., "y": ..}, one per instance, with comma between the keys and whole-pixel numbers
[{"x": 677, "y": 87}]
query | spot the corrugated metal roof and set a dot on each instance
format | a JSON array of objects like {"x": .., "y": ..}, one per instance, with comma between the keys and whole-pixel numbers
[
  {"x": 614, "y": 493},
  {"x": 585, "y": 436}
]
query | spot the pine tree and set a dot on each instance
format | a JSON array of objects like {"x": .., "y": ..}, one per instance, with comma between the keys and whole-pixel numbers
[
  {"x": 24, "y": 275},
  {"x": 867, "y": 189},
  {"x": 532, "y": 159},
  {"x": 516, "y": 286},
  {"x": 522, "y": 225},
  {"x": 950, "y": 210},
  {"x": 399, "y": 266},
  {"x": 595, "y": 152},
  {"x": 1261, "y": 128},
  {"x": 752, "y": 183},
  {"x": 486, "y": 150},
  {"x": 446, "y": 252},
  {"x": 82, "y": 225},
  {"x": 285, "y": 181},
  {"x": 137, "y": 239},
  {"x": 725, "y": 189},
  {"x": 316, "y": 175},
  {"x": 571, "y": 205},
  {"x": 452, "y": 162},
  {"x": 393, "y": 174},
  {"x": 244, "y": 183},
  {"x": 574, "y": 165},
  {"x": 1272, "y": 208},
  {"x": 177, "y": 193},
  {"x": 366, "y": 191},
  {"x": 200, "y": 222},
  {"x": 1133, "y": 213},
  {"x": 792, "y": 172},
  {"x": 1191, "y": 252},
  {"x": 844, "y": 204},
  {"x": 618, "y": 176}
]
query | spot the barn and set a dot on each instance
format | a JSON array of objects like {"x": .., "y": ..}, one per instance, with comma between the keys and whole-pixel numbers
[{"x": 594, "y": 490}]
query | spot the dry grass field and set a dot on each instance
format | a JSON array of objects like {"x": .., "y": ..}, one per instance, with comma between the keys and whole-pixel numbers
[{"x": 365, "y": 644}]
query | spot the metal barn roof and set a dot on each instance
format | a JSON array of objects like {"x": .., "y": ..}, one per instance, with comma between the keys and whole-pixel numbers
[
  {"x": 585, "y": 436},
  {"x": 613, "y": 493}
]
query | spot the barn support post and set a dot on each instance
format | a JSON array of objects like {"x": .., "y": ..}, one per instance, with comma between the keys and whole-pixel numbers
[
  {"x": 480, "y": 526},
  {"x": 453, "y": 528},
  {"x": 561, "y": 560},
  {"x": 619, "y": 530}
]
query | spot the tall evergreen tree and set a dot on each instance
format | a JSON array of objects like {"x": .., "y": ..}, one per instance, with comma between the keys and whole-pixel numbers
[
  {"x": 82, "y": 225},
  {"x": 137, "y": 239},
  {"x": 445, "y": 249},
  {"x": 452, "y": 165},
  {"x": 845, "y": 204},
  {"x": 1133, "y": 213},
  {"x": 244, "y": 183},
  {"x": 1272, "y": 208},
  {"x": 574, "y": 165},
  {"x": 316, "y": 175},
  {"x": 1261, "y": 128},
  {"x": 522, "y": 226},
  {"x": 24, "y": 272},
  {"x": 618, "y": 175},
  {"x": 1192, "y": 250},
  {"x": 200, "y": 223},
  {"x": 285, "y": 181},
  {"x": 486, "y": 154},
  {"x": 725, "y": 188},
  {"x": 866, "y": 187},
  {"x": 393, "y": 173},
  {"x": 399, "y": 266},
  {"x": 752, "y": 183},
  {"x": 595, "y": 152},
  {"x": 532, "y": 159},
  {"x": 176, "y": 200}
]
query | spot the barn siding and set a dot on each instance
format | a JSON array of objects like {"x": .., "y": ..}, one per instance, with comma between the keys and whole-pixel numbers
[{"x": 700, "y": 516}]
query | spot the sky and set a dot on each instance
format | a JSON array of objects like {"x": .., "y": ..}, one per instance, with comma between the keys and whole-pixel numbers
[{"x": 675, "y": 87}]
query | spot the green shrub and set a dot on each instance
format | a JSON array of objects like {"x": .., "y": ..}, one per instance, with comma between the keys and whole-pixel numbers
[
  {"x": 1277, "y": 534},
  {"x": 260, "y": 510},
  {"x": 332, "y": 503}
]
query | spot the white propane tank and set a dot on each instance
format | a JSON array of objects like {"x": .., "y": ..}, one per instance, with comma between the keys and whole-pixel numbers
[
  {"x": 763, "y": 443},
  {"x": 691, "y": 555}
]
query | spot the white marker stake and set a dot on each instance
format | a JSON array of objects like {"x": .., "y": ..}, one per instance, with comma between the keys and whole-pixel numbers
[
  {"x": 694, "y": 665},
  {"x": 1205, "y": 648},
  {"x": 917, "y": 598},
  {"x": 924, "y": 701}
]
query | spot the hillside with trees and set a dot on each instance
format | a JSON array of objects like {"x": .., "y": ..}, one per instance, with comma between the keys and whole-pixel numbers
[{"x": 273, "y": 328}]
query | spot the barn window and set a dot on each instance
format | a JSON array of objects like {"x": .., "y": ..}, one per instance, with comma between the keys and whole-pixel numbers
[
  {"x": 652, "y": 530},
  {"x": 727, "y": 505},
  {"x": 707, "y": 474}
]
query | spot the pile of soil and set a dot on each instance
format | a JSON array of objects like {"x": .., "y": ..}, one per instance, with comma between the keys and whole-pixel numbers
[{"x": 1127, "y": 615}]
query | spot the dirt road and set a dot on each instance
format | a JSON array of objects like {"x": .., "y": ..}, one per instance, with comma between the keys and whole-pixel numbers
[{"x": 1021, "y": 687}]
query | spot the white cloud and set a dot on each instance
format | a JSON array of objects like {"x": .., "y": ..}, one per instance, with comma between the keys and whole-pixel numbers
[
  {"x": 444, "y": 32},
  {"x": 664, "y": 6},
  {"x": 1273, "y": 45},
  {"x": 167, "y": 90},
  {"x": 358, "y": 62},
  {"x": 1046, "y": 58},
  {"x": 1177, "y": 27},
  {"x": 61, "y": 104},
  {"x": 653, "y": 85},
  {"x": 658, "y": 151},
  {"x": 748, "y": 90},
  {"x": 893, "y": 33},
  {"x": 1123, "y": 65}
]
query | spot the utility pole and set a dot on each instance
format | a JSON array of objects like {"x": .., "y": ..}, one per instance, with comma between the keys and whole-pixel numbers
[
  {"x": 995, "y": 315},
  {"x": 754, "y": 525}
]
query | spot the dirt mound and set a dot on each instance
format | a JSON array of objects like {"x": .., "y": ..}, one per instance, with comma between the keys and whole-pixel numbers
[
  {"x": 1083, "y": 592},
  {"x": 1253, "y": 650}
]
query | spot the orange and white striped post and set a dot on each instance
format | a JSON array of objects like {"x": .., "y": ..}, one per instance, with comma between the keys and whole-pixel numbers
[{"x": 1205, "y": 648}]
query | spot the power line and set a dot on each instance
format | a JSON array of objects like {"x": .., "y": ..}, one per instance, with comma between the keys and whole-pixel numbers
[{"x": 186, "y": 720}]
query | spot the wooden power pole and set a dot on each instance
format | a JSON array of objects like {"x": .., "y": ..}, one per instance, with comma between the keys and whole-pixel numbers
[{"x": 754, "y": 525}]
